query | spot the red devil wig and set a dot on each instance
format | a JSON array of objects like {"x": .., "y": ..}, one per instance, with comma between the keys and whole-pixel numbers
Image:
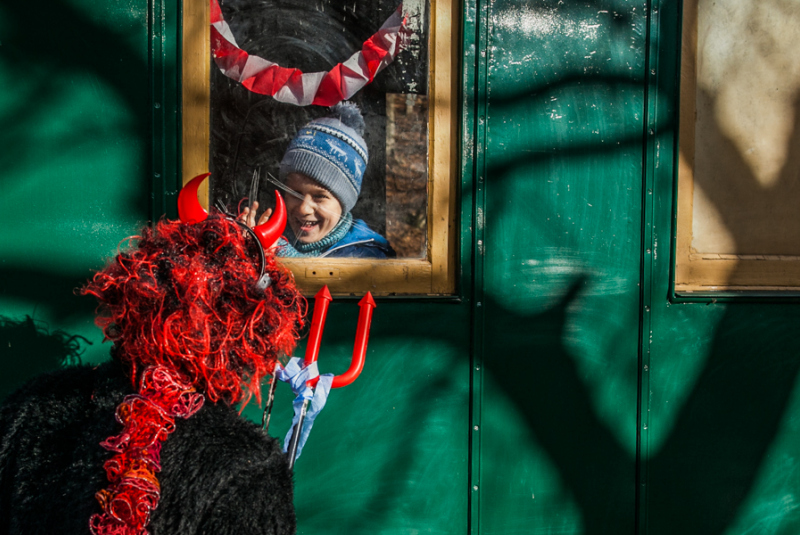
[
  {"x": 186, "y": 297},
  {"x": 191, "y": 317}
]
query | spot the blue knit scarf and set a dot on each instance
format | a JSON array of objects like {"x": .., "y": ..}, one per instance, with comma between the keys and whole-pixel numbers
[{"x": 318, "y": 247}]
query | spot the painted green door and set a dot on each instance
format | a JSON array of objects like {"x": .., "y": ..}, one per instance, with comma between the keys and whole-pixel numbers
[
  {"x": 602, "y": 403},
  {"x": 560, "y": 115},
  {"x": 75, "y": 155},
  {"x": 720, "y": 425}
]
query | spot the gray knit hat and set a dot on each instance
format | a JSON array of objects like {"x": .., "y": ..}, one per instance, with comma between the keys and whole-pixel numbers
[{"x": 332, "y": 151}]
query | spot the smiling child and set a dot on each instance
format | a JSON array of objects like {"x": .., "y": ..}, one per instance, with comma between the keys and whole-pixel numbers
[{"x": 323, "y": 169}]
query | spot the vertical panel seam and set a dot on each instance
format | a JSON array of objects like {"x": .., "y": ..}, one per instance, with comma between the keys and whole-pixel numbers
[
  {"x": 157, "y": 133},
  {"x": 479, "y": 185},
  {"x": 164, "y": 53},
  {"x": 647, "y": 265}
]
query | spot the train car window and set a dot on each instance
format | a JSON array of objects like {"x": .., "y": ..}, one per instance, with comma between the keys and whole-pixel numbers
[
  {"x": 738, "y": 182},
  {"x": 387, "y": 224}
]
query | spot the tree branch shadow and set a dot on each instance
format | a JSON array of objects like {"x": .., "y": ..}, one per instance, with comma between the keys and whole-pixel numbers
[{"x": 28, "y": 348}]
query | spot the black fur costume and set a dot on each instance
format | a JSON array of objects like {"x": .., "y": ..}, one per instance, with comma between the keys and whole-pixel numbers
[{"x": 221, "y": 475}]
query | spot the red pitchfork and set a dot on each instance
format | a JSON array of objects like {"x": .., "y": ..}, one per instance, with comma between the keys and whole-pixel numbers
[{"x": 321, "y": 302}]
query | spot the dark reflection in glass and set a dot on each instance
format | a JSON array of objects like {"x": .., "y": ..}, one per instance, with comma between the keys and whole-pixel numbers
[{"x": 250, "y": 133}]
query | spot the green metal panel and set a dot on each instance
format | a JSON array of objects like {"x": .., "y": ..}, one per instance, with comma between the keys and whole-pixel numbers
[
  {"x": 721, "y": 396},
  {"x": 75, "y": 150},
  {"x": 560, "y": 253},
  {"x": 165, "y": 51},
  {"x": 389, "y": 453}
]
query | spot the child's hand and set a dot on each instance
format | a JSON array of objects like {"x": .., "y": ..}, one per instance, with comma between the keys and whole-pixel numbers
[{"x": 248, "y": 215}]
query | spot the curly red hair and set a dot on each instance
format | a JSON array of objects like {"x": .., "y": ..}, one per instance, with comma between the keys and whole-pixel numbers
[{"x": 186, "y": 297}]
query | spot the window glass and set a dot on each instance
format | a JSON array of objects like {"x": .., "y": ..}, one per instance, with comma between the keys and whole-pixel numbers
[
  {"x": 250, "y": 133},
  {"x": 740, "y": 148}
]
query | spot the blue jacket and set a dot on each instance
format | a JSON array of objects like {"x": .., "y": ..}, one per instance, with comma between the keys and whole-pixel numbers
[{"x": 360, "y": 242}]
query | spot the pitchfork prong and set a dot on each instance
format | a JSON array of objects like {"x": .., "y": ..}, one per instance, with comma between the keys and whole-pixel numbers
[
  {"x": 321, "y": 302},
  {"x": 367, "y": 305}
]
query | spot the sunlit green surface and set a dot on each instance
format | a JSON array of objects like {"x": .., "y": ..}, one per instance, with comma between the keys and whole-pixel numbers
[{"x": 74, "y": 104}]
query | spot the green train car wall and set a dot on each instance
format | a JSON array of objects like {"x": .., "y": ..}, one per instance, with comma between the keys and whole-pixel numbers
[{"x": 613, "y": 347}]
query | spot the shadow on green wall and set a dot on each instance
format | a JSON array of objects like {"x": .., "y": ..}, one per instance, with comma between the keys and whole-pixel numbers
[
  {"x": 708, "y": 466},
  {"x": 75, "y": 114},
  {"x": 550, "y": 395},
  {"x": 44, "y": 46},
  {"x": 702, "y": 478},
  {"x": 28, "y": 348},
  {"x": 721, "y": 439},
  {"x": 53, "y": 292}
]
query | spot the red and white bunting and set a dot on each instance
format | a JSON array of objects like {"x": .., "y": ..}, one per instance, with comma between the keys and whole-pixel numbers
[{"x": 292, "y": 85}]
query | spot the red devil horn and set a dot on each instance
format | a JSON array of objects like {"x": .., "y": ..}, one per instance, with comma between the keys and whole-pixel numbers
[
  {"x": 269, "y": 232},
  {"x": 189, "y": 209}
]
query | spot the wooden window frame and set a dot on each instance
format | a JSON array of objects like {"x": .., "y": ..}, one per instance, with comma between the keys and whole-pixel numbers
[
  {"x": 696, "y": 272},
  {"x": 433, "y": 275}
]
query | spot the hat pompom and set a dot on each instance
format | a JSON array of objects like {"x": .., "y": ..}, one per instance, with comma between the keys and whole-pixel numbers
[{"x": 350, "y": 115}]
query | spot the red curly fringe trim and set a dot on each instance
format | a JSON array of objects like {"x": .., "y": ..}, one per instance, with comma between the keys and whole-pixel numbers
[{"x": 148, "y": 419}]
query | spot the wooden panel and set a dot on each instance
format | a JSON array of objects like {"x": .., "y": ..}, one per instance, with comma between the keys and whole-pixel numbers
[
  {"x": 196, "y": 65},
  {"x": 720, "y": 272},
  {"x": 381, "y": 277},
  {"x": 444, "y": 158}
]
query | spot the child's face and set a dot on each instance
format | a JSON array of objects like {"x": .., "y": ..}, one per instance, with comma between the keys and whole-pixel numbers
[{"x": 314, "y": 211}]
